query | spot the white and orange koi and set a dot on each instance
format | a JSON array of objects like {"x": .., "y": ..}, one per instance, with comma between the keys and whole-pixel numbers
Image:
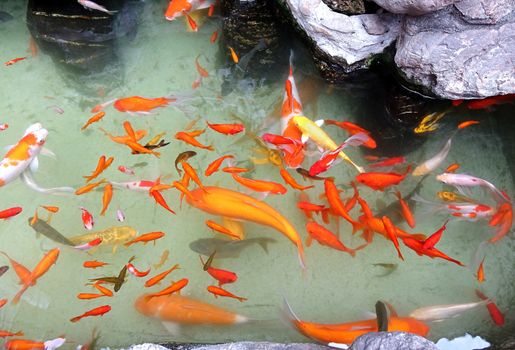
[
  {"x": 464, "y": 180},
  {"x": 138, "y": 186},
  {"x": 89, "y": 245},
  {"x": 178, "y": 8}
]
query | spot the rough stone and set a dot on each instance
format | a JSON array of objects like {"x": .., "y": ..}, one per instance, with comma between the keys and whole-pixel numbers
[
  {"x": 348, "y": 7},
  {"x": 414, "y": 7},
  {"x": 485, "y": 11},
  {"x": 392, "y": 340},
  {"x": 234, "y": 346},
  {"x": 340, "y": 42},
  {"x": 454, "y": 59}
]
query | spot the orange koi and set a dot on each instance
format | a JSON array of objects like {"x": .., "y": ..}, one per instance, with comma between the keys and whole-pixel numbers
[
  {"x": 106, "y": 198},
  {"x": 215, "y": 165},
  {"x": 183, "y": 136},
  {"x": 88, "y": 296},
  {"x": 417, "y": 246},
  {"x": 380, "y": 181},
  {"x": 490, "y": 101},
  {"x": 145, "y": 238},
  {"x": 2, "y": 302},
  {"x": 24, "y": 344},
  {"x": 432, "y": 240},
  {"x": 503, "y": 219},
  {"x": 211, "y": 10},
  {"x": 227, "y": 129},
  {"x": 351, "y": 202},
  {"x": 50, "y": 208},
  {"x": 291, "y": 181},
  {"x": 260, "y": 185},
  {"x": 234, "y": 170},
  {"x": 193, "y": 25},
  {"x": 213, "y": 37},
  {"x": 14, "y": 60},
  {"x": 392, "y": 234},
  {"x": 481, "y": 272},
  {"x": 217, "y": 291},
  {"x": 203, "y": 73},
  {"x": 158, "y": 278},
  {"x": 101, "y": 166},
  {"x": 93, "y": 264},
  {"x": 188, "y": 169},
  {"x": 222, "y": 276},
  {"x": 496, "y": 314},
  {"x": 406, "y": 212},
  {"x": 223, "y": 230},
  {"x": 183, "y": 189},
  {"x": 346, "y": 333},
  {"x": 158, "y": 197},
  {"x": 99, "y": 311},
  {"x": 41, "y": 268},
  {"x": 467, "y": 124},
  {"x": 333, "y": 197},
  {"x": 21, "y": 271},
  {"x": 388, "y": 162},
  {"x": 173, "y": 288},
  {"x": 97, "y": 117},
  {"x": 4, "y": 334},
  {"x": 136, "y": 147},
  {"x": 89, "y": 187},
  {"x": 353, "y": 129},
  {"x": 195, "y": 133},
  {"x": 452, "y": 168},
  {"x": 308, "y": 207},
  {"x": 234, "y": 56},
  {"x": 326, "y": 237},
  {"x": 138, "y": 104},
  {"x": 105, "y": 291},
  {"x": 123, "y": 139}
]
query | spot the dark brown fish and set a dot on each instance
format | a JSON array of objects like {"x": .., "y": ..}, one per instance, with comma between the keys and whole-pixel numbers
[
  {"x": 382, "y": 317},
  {"x": 183, "y": 157},
  {"x": 3, "y": 269},
  {"x": 305, "y": 174}
]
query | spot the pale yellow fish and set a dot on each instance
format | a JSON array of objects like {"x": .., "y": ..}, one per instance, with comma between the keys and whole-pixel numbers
[
  {"x": 115, "y": 236},
  {"x": 313, "y": 131}
]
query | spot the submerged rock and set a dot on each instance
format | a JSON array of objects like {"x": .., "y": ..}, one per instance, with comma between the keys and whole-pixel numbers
[
  {"x": 5, "y": 16},
  {"x": 392, "y": 340},
  {"x": 447, "y": 57},
  {"x": 413, "y": 7},
  {"x": 484, "y": 11},
  {"x": 238, "y": 346},
  {"x": 343, "y": 44}
]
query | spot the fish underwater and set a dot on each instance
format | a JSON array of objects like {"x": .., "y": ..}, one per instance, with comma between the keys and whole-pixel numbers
[
  {"x": 42, "y": 227},
  {"x": 228, "y": 249},
  {"x": 115, "y": 236}
]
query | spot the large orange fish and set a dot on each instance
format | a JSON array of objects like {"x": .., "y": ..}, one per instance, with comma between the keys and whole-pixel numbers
[
  {"x": 175, "y": 309},
  {"x": 260, "y": 185},
  {"x": 326, "y": 237},
  {"x": 346, "y": 333},
  {"x": 333, "y": 197},
  {"x": 41, "y": 268},
  {"x": 238, "y": 206}
]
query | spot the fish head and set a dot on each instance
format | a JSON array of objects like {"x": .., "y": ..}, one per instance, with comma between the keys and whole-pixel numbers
[{"x": 300, "y": 121}]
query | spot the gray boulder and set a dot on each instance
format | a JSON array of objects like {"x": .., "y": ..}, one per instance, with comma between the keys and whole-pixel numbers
[
  {"x": 485, "y": 11},
  {"x": 343, "y": 42},
  {"x": 413, "y": 7},
  {"x": 451, "y": 58},
  {"x": 392, "y": 340}
]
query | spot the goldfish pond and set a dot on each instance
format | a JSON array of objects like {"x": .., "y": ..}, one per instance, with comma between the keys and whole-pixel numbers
[{"x": 319, "y": 241}]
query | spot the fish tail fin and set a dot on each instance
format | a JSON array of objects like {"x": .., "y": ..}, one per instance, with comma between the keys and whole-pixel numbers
[
  {"x": 18, "y": 295},
  {"x": 241, "y": 299},
  {"x": 418, "y": 236},
  {"x": 287, "y": 312},
  {"x": 264, "y": 245},
  {"x": 302, "y": 258},
  {"x": 76, "y": 318},
  {"x": 19, "y": 334},
  {"x": 356, "y": 226},
  {"x": 210, "y": 148}
]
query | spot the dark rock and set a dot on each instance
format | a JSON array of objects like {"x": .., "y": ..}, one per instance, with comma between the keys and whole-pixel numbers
[
  {"x": 251, "y": 29},
  {"x": 348, "y": 7},
  {"x": 4, "y": 16},
  {"x": 450, "y": 58},
  {"x": 507, "y": 344},
  {"x": 413, "y": 7},
  {"x": 77, "y": 37},
  {"x": 392, "y": 340}
]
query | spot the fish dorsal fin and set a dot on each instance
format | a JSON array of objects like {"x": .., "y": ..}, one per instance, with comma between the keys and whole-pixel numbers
[
  {"x": 319, "y": 122},
  {"x": 304, "y": 138},
  {"x": 34, "y": 165}
]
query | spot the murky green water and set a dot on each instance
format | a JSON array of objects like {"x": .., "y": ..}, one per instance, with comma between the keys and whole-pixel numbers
[{"x": 336, "y": 287}]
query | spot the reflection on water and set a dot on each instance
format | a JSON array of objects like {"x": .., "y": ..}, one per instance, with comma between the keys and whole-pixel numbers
[{"x": 159, "y": 61}]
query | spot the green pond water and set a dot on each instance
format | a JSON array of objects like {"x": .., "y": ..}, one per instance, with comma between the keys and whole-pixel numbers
[{"x": 336, "y": 287}]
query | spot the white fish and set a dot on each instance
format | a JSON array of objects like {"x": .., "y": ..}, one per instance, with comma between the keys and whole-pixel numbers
[
  {"x": 464, "y": 180},
  {"x": 120, "y": 215},
  {"x": 54, "y": 343},
  {"x": 433, "y": 163},
  {"x": 466, "y": 211},
  {"x": 442, "y": 312},
  {"x": 94, "y": 6}
]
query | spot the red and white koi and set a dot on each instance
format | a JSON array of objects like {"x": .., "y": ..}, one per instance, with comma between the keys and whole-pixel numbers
[
  {"x": 23, "y": 154},
  {"x": 120, "y": 216},
  {"x": 3, "y": 126},
  {"x": 138, "y": 186},
  {"x": 125, "y": 170},
  {"x": 178, "y": 8},
  {"x": 87, "y": 219},
  {"x": 467, "y": 211},
  {"x": 133, "y": 270}
]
